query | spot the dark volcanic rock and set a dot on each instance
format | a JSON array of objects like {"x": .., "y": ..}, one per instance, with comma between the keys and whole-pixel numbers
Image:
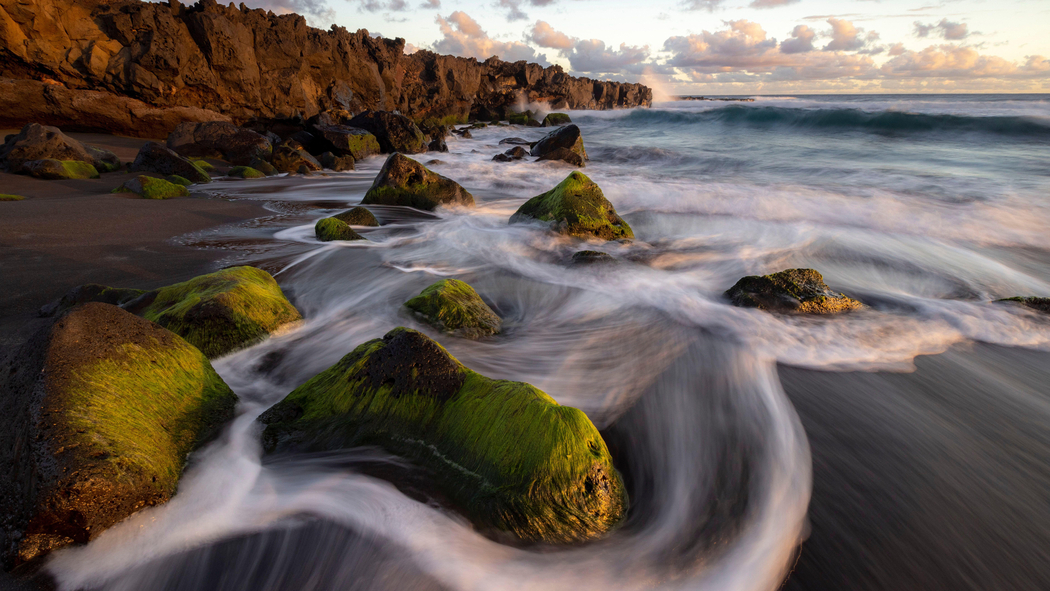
[
  {"x": 291, "y": 157},
  {"x": 568, "y": 137},
  {"x": 590, "y": 257},
  {"x": 517, "y": 152},
  {"x": 349, "y": 141},
  {"x": 564, "y": 155},
  {"x": 219, "y": 139},
  {"x": 576, "y": 207},
  {"x": 329, "y": 229},
  {"x": 336, "y": 163},
  {"x": 403, "y": 181},
  {"x": 556, "y": 119},
  {"x": 101, "y": 411},
  {"x": 396, "y": 133},
  {"x": 1039, "y": 304},
  {"x": 501, "y": 158},
  {"x": 801, "y": 291},
  {"x": 452, "y": 306},
  {"x": 516, "y": 141},
  {"x": 42, "y": 142},
  {"x": 54, "y": 170},
  {"x": 437, "y": 146},
  {"x": 154, "y": 157}
]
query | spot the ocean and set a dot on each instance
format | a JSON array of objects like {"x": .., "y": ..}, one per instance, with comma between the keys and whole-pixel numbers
[{"x": 902, "y": 446}]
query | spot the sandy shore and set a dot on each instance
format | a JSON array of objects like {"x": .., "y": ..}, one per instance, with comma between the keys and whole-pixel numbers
[{"x": 67, "y": 233}]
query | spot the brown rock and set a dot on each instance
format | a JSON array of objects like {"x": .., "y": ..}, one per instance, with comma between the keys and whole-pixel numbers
[{"x": 219, "y": 139}]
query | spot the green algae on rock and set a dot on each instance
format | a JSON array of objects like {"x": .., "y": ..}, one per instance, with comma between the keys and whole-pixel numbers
[
  {"x": 178, "y": 180},
  {"x": 101, "y": 413},
  {"x": 56, "y": 170},
  {"x": 1035, "y": 303},
  {"x": 575, "y": 207},
  {"x": 6, "y": 197},
  {"x": 800, "y": 291},
  {"x": 357, "y": 216},
  {"x": 592, "y": 257},
  {"x": 245, "y": 172},
  {"x": 505, "y": 453},
  {"x": 403, "y": 181},
  {"x": 556, "y": 119},
  {"x": 453, "y": 306},
  {"x": 152, "y": 188},
  {"x": 220, "y": 312},
  {"x": 329, "y": 229}
]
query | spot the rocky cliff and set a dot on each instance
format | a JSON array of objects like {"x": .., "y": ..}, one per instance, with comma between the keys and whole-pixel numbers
[{"x": 140, "y": 68}]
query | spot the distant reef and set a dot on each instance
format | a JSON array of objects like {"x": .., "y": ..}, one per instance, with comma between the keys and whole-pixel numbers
[{"x": 140, "y": 68}]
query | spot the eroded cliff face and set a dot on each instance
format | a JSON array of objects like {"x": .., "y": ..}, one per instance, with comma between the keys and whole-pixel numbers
[{"x": 141, "y": 68}]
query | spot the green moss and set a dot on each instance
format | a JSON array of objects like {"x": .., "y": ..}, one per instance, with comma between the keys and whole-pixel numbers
[
  {"x": 6, "y": 197},
  {"x": 504, "y": 452},
  {"x": 555, "y": 119},
  {"x": 576, "y": 207},
  {"x": 403, "y": 181},
  {"x": 149, "y": 187},
  {"x": 264, "y": 167},
  {"x": 358, "y": 216},
  {"x": 245, "y": 172},
  {"x": 203, "y": 165},
  {"x": 178, "y": 180},
  {"x": 453, "y": 306},
  {"x": 526, "y": 118},
  {"x": 800, "y": 291},
  {"x": 329, "y": 229},
  {"x": 222, "y": 311},
  {"x": 54, "y": 170}
]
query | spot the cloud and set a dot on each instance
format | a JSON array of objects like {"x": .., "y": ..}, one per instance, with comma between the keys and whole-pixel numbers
[
  {"x": 708, "y": 5},
  {"x": 946, "y": 29},
  {"x": 771, "y": 3},
  {"x": 896, "y": 49},
  {"x": 380, "y": 5},
  {"x": 800, "y": 41},
  {"x": 544, "y": 35},
  {"x": 589, "y": 55},
  {"x": 430, "y": 4},
  {"x": 845, "y": 36},
  {"x": 955, "y": 62},
  {"x": 463, "y": 36},
  {"x": 318, "y": 12}
]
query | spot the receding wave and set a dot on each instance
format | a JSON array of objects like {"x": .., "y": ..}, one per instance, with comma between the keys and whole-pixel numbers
[{"x": 838, "y": 118}]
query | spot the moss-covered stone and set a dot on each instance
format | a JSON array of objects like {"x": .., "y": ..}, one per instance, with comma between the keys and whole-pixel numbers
[
  {"x": 575, "y": 207},
  {"x": 350, "y": 141},
  {"x": 97, "y": 423},
  {"x": 403, "y": 181},
  {"x": 245, "y": 172},
  {"x": 204, "y": 165},
  {"x": 159, "y": 159},
  {"x": 57, "y": 170},
  {"x": 800, "y": 291},
  {"x": 329, "y": 229},
  {"x": 453, "y": 306},
  {"x": 149, "y": 187},
  {"x": 291, "y": 157},
  {"x": 357, "y": 216},
  {"x": 1040, "y": 304},
  {"x": 556, "y": 119},
  {"x": 527, "y": 118},
  {"x": 505, "y": 453},
  {"x": 220, "y": 312},
  {"x": 178, "y": 180},
  {"x": 6, "y": 197},
  {"x": 264, "y": 167}
]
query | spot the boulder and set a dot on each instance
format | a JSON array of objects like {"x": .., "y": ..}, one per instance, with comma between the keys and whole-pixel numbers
[
  {"x": 517, "y": 153},
  {"x": 528, "y": 118},
  {"x": 291, "y": 157},
  {"x": 516, "y": 141},
  {"x": 465, "y": 134},
  {"x": 42, "y": 142},
  {"x": 563, "y": 155},
  {"x": 245, "y": 172},
  {"x": 575, "y": 207},
  {"x": 264, "y": 167},
  {"x": 800, "y": 291},
  {"x": 178, "y": 180},
  {"x": 208, "y": 167},
  {"x": 219, "y": 139},
  {"x": 349, "y": 141},
  {"x": 329, "y": 229},
  {"x": 101, "y": 412},
  {"x": 501, "y": 158},
  {"x": 1039, "y": 304},
  {"x": 504, "y": 453},
  {"x": 337, "y": 163},
  {"x": 437, "y": 146},
  {"x": 453, "y": 306},
  {"x": 395, "y": 133},
  {"x": 358, "y": 216},
  {"x": 56, "y": 170},
  {"x": 567, "y": 137},
  {"x": 591, "y": 257},
  {"x": 154, "y": 157},
  {"x": 152, "y": 188},
  {"x": 556, "y": 119},
  {"x": 403, "y": 181}
]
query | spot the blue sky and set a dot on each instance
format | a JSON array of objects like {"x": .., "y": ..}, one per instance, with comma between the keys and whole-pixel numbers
[{"x": 731, "y": 46}]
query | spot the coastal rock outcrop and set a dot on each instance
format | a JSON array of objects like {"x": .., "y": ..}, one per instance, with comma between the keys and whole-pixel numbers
[
  {"x": 452, "y": 306},
  {"x": 577, "y": 207},
  {"x": 101, "y": 412},
  {"x": 504, "y": 453},
  {"x": 219, "y": 139},
  {"x": 800, "y": 291},
  {"x": 403, "y": 181},
  {"x": 42, "y": 142}
]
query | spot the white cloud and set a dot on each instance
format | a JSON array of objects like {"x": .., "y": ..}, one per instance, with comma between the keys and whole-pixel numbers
[
  {"x": 589, "y": 55},
  {"x": 946, "y": 29},
  {"x": 800, "y": 41},
  {"x": 845, "y": 36},
  {"x": 708, "y": 5},
  {"x": 463, "y": 36},
  {"x": 544, "y": 35},
  {"x": 955, "y": 62},
  {"x": 771, "y": 3}
]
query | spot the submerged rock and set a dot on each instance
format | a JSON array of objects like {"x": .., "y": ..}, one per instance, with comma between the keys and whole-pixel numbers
[
  {"x": 591, "y": 257},
  {"x": 357, "y": 216},
  {"x": 57, "y": 170},
  {"x": 575, "y": 207},
  {"x": 395, "y": 133},
  {"x": 453, "y": 306},
  {"x": 564, "y": 155},
  {"x": 152, "y": 188},
  {"x": 556, "y": 119},
  {"x": 505, "y": 453},
  {"x": 329, "y": 229},
  {"x": 568, "y": 137},
  {"x": 800, "y": 291},
  {"x": 154, "y": 157},
  {"x": 1039, "y": 304},
  {"x": 43, "y": 142},
  {"x": 403, "y": 181},
  {"x": 245, "y": 172},
  {"x": 101, "y": 412},
  {"x": 516, "y": 141},
  {"x": 437, "y": 146},
  {"x": 219, "y": 139}
]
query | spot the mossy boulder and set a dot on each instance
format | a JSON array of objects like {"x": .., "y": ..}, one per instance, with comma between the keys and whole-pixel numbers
[
  {"x": 504, "y": 453},
  {"x": 403, "y": 181},
  {"x": 335, "y": 162},
  {"x": 556, "y": 119},
  {"x": 528, "y": 118},
  {"x": 1039, "y": 304},
  {"x": 291, "y": 157},
  {"x": 157, "y": 158},
  {"x": 357, "y": 216},
  {"x": 264, "y": 167},
  {"x": 350, "y": 141},
  {"x": 7, "y": 197},
  {"x": 178, "y": 180},
  {"x": 452, "y": 306},
  {"x": 575, "y": 207},
  {"x": 152, "y": 188},
  {"x": 43, "y": 142},
  {"x": 245, "y": 172},
  {"x": 329, "y": 229},
  {"x": 204, "y": 165},
  {"x": 799, "y": 291},
  {"x": 568, "y": 137},
  {"x": 98, "y": 419},
  {"x": 56, "y": 170}
]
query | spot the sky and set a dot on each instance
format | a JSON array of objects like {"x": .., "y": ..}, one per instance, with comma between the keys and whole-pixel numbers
[{"x": 720, "y": 47}]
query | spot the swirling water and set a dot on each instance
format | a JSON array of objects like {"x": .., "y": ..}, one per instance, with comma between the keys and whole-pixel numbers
[{"x": 925, "y": 208}]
